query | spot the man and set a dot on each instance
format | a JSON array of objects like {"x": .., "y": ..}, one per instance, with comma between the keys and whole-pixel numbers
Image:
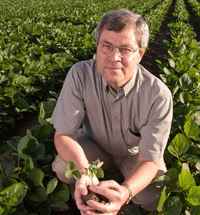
[{"x": 126, "y": 114}]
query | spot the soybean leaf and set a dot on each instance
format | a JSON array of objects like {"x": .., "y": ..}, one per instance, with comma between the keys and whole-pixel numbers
[
  {"x": 59, "y": 206},
  {"x": 191, "y": 128},
  {"x": 43, "y": 209},
  {"x": 179, "y": 145},
  {"x": 61, "y": 192},
  {"x": 38, "y": 152},
  {"x": 52, "y": 185},
  {"x": 132, "y": 209},
  {"x": 7, "y": 166},
  {"x": 5, "y": 150},
  {"x": 173, "y": 173},
  {"x": 38, "y": 194},
  {"x": 195, "y": 210},
  {"x": 186, "y": 81},
  {"x": 172, "y": 205},
  {"x": 186, "y": 179},
  {"x": 185, "y": 97},
  {"x": 162, "y": 200},
  {"x": 71, "y": 165},
  {"x": 68, "y": 173},
  {"x": 4, "y": 209},
  {"x": 14, "y": 194},
  {"x": 76, "y": 174},
  {"x": 194, "y": 195},
  {"x": 100, "y": 173}
]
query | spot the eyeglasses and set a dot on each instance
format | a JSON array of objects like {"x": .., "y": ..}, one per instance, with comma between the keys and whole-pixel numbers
[{"x": 107, "y": 48}]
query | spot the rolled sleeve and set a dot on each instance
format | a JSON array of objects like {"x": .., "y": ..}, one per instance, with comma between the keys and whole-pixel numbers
[{"x": 70, "y": 110}]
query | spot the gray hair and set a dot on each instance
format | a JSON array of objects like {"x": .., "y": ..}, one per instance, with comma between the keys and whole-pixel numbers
[{"x": 117, "y": 20}]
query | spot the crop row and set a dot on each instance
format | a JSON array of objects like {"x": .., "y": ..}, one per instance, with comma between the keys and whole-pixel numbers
[
  {"x": 195, "y": 5},
  {"x": 44, "y": 41},
  {"x": 38, "y": 45},
  {"x": 181, "y": 195}
]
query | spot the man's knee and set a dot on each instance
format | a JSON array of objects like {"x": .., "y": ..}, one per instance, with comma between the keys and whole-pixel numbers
[
  {"x": 149, "y": 197},
  {"x": 59, "y": 167}
]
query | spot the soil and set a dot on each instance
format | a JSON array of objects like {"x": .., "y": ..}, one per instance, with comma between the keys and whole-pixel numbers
[
  {"x": 155, "y": 51},
  {"x": 96, "y": 197}
]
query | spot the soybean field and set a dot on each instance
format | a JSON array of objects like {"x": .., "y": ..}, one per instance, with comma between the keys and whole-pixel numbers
[{"x": 39, "y": 41}]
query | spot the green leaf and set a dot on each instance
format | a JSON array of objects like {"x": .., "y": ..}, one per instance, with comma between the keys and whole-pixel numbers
[
  {"x": 179, "y": 145},
  {"x": 61, "y": 193},
  {"x": 194, "y": 195},
  {"x": 186, "y": 179},
  {"x": 76, "y": 174},
  {"x": 71, "y": 165},
  {"x": 195, "y": 210},
  {"x": 14, "y": 194},
  {"x": 59, "y": 206},
  {"x": 35, "y": 176},
  {"x": 44, "y": 209},
  {"x": 172, "y": 205},
  {"x": 162, "y": 200},
  {"x": 100, "y": 173},
  {"x": 68, "y": 173},
  {"x": 185, "y": 97},
  {"x": 132, "y": 209},
  {"x": 186, "y": 81},
  {"x": 44, "y": 132},
  {"x": 4, "y": 209},
  {"x": 38, "y": 194},
  {"x": 7, "y": 166},
  {"x": 173, "y": 185},
  {"x": 5, "y": 150},
  {"x": 52, "y": 185},
  {"x": 38, "y": 152},
  {"x": 172, "y": 63},
  {"x": 191, "y": 128}
]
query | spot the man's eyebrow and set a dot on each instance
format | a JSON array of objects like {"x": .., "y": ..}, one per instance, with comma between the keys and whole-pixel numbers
[{"x": 122, "y": 46}]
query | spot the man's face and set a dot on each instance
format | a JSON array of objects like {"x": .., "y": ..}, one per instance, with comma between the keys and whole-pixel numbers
[{"x": 117, "y": 69}]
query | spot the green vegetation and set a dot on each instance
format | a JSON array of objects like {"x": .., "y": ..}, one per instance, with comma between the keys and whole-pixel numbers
[{"x": 39, "y": 41}]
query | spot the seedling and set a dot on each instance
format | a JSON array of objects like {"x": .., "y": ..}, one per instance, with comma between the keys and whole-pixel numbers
[{"x": 91, "y": 171}]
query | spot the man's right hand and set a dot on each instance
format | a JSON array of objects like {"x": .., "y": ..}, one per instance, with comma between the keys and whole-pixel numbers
[{"x": 81, "y": 190}]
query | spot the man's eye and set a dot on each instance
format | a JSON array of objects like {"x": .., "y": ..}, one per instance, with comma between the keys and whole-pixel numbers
[
  {"x": 125, "y": 50},
  {"x": 107, "y": 46}
]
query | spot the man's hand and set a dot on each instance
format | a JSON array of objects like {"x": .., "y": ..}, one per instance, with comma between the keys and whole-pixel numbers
[
  {"x": 81, "y": 189},
  {"x": 115, "y": 193}
]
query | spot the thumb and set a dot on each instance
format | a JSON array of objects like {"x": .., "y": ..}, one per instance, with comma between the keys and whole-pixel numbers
[{"x": 82, "y": 189}]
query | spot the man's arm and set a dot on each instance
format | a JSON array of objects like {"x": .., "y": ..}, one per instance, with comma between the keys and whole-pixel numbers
[
  {"x": 69, "y": 150},
  {"x": 140, "y": 177},
  {"x": 142, "y": 174}
]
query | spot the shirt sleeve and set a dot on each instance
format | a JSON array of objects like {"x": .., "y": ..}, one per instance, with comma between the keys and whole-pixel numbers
[
  {"x": 155, "y": 134},
  {"x": 70, "y": 109}
]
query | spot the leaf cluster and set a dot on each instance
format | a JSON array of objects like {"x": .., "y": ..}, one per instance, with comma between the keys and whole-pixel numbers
[
  {"x": 27, "y": 183},
  {"x": 92, "y": 170}
]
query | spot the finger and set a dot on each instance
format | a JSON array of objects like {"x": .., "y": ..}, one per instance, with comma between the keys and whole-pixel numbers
[
  {"x": 81, "y": 188},
  {"x": 109, "y": 193},
  {"x": 111, "y": 184}
]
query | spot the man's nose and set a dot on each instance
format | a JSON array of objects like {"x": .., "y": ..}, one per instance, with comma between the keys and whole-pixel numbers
[{"x": 115, "y": 54}]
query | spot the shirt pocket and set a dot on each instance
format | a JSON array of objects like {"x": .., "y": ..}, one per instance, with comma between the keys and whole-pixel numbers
[{"x": 133, "y": 140}]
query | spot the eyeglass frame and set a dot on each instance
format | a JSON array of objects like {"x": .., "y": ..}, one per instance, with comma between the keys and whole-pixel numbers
[{"x": 118, "y": 48}]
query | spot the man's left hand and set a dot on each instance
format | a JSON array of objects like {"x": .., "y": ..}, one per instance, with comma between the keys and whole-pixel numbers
[{"x": 115, "y": 193}]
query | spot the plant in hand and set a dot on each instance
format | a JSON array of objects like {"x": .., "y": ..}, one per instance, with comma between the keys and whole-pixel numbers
[{"x": 91, "y": 171}]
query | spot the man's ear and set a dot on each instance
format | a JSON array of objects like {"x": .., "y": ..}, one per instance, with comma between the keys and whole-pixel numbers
[{"x": 141, "y": 53}]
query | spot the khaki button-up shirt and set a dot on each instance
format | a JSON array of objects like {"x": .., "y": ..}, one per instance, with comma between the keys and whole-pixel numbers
[{"x": 136, "y": 119}]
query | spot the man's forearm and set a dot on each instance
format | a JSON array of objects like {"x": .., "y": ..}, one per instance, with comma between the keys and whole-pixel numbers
[
  {"x": 141, "y": 175},
  {"x": 69, "y": 150}
]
